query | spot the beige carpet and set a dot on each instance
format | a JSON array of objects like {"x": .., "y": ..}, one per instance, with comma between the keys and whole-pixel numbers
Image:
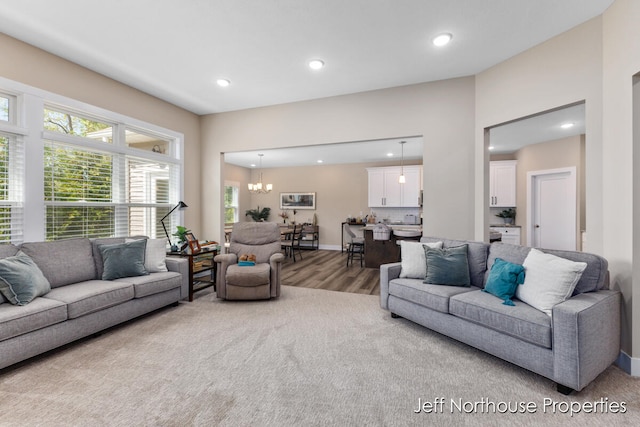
[{"x": 311, "y": 358}]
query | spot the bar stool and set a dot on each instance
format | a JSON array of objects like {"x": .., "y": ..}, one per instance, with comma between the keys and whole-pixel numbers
[{"x": 355, "y": 246}]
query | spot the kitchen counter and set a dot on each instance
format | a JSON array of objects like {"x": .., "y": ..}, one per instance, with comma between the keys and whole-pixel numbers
[
  {"x": 378, "y": 252},
  {"x": 398, "y": 226}
]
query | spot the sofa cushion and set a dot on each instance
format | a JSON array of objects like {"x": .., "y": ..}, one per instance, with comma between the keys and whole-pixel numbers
[
  {"x": 413, "y": 259},
  {"x": 155, "y": 255},
  {"x": 97, "y": 256},
  {"x": 153, "y": 283},
  {"x": 91, "y": 296},
  {"x": 254, "y": 275},
  {"x": 549, "y": 280},
  {"x": 447, "y": 266},
  {"x": 21, "y": 280},
  {"x": 503, "y": 280},
  {"x": 476, "y": 254},
  {"x": 594, "y": 277},
  {"x": 7, "y": 250},
  {"x": 123, "y": 259},
  {"x": 435, "y": 297},
  {"x": 63, "y": 261},
  {"x": 520, "y": 321},
  {"x": 40, "y": 313}
]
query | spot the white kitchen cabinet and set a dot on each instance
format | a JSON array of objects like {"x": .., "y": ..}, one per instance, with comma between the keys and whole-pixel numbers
[
  {"x": 502, "y": 184},
  {"x": 509, "y": 234},
  {"x": 412, "y": 188},
  {"x": 386, "y": 191}
]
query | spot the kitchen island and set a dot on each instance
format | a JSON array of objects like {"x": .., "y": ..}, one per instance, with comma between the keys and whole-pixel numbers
[{"x": 378, "y": 252}]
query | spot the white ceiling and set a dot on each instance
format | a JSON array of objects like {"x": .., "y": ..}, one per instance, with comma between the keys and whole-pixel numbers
[
  {"x": 546, "y": 126},
  {"x": 344, "y": 153},
  {"x": 176, "y": 50}
]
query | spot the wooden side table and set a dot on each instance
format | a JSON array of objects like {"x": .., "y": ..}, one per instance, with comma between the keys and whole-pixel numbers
[{"x": 199, "y": 263}]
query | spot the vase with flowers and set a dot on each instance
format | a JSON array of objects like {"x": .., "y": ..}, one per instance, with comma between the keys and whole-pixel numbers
[{"x": 284, "y": 215}]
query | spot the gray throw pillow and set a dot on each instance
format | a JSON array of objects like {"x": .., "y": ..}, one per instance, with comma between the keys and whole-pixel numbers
[
  {"x": 447, "y": 266},
  {"x": 123, "y": 259},
  {"x": 21, "y": 280}
]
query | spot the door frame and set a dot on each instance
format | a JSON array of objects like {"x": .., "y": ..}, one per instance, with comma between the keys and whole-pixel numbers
[{"x": 531, "y": 175}]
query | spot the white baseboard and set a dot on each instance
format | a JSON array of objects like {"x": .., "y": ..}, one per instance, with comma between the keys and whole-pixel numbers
[
  {"x": 631, "y": 365},
  {"x": 330, "y": 247}
]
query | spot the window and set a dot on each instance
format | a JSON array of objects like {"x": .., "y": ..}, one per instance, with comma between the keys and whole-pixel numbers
[
  {"x": 231, "y": 205},
  {"x": 93, "y": 189},
  {"x": 11, "y": 189},
  {"x": 72, "y": 124},
  {"x": 4, "y": 108},
  {"x": 88, "y": 172},
  {"x": 7, "y": 107}
]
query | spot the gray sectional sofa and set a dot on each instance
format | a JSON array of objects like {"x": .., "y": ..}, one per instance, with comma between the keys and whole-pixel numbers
[
  {"x": 79, "y": 303},
  {"x": 571, "y": 347}
]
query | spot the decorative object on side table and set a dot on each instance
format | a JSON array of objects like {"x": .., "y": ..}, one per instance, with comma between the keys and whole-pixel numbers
[
  {"x": 181, "y": 234},
  {"x": 194, "y": 245},
  {"x": 509, "y": 215},
  {"x": 180, "y": 205}
]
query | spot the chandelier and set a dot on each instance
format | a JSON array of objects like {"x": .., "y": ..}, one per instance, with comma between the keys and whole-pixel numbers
[{"x": 259, "y": 187}]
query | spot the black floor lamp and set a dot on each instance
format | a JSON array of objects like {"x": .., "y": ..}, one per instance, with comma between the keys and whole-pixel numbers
[{"x": 180, "y": 205}]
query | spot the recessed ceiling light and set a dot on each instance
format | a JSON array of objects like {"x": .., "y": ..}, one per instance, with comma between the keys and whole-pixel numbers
[
  {"x": 316, "y": 64},
  {"x": 566, "y": 125},
  {"x": 389, "y": 154},
  {"x": 319, "y": 161},
  {"x": 442, "y": 39},
  {"x": 223, "y": 82},
  {"x": 253, "y": 165},
  {"x": 491, "y": 147}
]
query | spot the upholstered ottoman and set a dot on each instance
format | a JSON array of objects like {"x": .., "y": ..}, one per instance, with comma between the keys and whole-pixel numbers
[{"x": 248, "y": 281}]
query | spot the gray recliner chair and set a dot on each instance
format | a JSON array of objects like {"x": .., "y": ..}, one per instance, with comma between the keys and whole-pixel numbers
[{"x": 259, "y": 281}]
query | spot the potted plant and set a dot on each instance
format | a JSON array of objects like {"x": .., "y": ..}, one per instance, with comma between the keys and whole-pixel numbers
[
  {"x": 258, "y": 214},
  {"x": 509, "y": 215},
  {"x": 181, "y": 234}
]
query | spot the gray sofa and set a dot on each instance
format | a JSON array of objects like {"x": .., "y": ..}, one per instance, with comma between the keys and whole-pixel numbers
[
  {"x": 572, "y": 347},
  {"x": 80, "y": 303}
]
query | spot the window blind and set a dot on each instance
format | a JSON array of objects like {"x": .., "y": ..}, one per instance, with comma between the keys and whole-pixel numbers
[{"x": 11, "y": 189}]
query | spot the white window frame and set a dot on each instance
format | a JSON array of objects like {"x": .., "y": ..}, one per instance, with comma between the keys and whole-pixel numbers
[{"x": 28, "y": 105}]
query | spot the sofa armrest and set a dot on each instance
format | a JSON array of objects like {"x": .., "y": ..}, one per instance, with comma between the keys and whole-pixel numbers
[
  {"x": 180, "y": 265},
  {"x": 388, "y": 272},
  {"x": 586, "y": 337}
]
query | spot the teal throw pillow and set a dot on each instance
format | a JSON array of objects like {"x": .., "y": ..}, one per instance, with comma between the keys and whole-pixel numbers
[
  {"x": 504, "y": 279},
  {"x": 21, "y": 280},
  {"x": 447, "y": 266},
  {"x": 123, "y": 259}
]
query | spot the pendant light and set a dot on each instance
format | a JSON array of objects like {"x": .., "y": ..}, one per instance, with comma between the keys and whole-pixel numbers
[
  {"x": 259, "y": 187},
  {"x": 402, "y": 179}
]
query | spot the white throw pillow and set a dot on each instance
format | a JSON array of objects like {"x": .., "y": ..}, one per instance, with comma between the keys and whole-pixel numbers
[
  {"x": 548, "y": 280},
  {"x": 155, "y": 255},
  {"x": 413, "y": 259}
]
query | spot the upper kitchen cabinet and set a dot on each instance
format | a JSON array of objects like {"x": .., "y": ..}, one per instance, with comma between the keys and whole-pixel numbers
[
  {"x": 385, "y": 191},
  {"x": 502, "y": 184}
]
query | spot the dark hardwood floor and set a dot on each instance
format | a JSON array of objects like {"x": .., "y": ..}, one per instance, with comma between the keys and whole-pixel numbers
[{"x": 322, "y": 269}]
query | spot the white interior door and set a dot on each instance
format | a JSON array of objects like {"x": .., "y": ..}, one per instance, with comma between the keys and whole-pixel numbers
[{"x": 552, "y": 209}]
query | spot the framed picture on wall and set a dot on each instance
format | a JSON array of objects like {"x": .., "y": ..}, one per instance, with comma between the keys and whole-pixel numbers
[{"x": 297, "y": 200}]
